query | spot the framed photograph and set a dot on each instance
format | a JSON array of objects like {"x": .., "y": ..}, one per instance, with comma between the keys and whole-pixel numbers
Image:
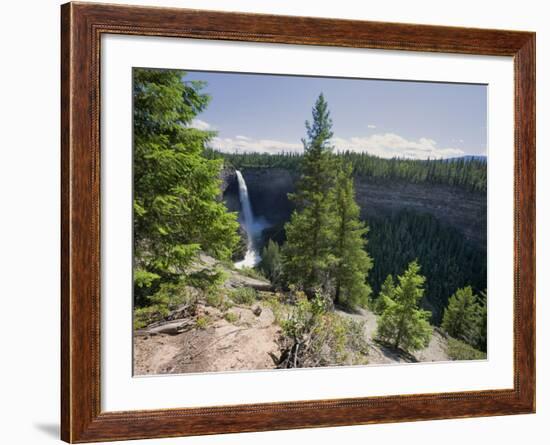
[{"x": 274, "y": 222}]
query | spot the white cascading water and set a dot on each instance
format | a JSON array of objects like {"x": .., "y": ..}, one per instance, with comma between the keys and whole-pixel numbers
[{"x": 252, "y": 256}]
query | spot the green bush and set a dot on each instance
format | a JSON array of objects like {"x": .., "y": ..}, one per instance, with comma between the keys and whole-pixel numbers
[
  {"x": 252, "y": 273},
  {"x": 206, "y": 280},
  {"x": 231, "y": 317},
  {"x": 458, "y": 350},
  {"x": 243, "y": 295},
  {"x": 275, "y": 303},
  {"x": 203, "y": 322},
  {"x": 313, "y": 336},
  {"x": 144, "y": 316},
  {"x": 166, "y": 299}
]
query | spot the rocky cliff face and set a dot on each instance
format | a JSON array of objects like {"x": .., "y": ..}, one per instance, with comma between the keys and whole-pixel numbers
[{"x": 466, "y": 211}]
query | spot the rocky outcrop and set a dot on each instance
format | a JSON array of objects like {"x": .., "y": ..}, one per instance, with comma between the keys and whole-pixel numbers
[{"x": 466, "y": 211}]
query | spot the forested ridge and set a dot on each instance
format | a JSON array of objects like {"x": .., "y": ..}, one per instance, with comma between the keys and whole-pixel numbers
[
  {"x": 467, "y": 173},
  {"x": 328, "y": 260}
]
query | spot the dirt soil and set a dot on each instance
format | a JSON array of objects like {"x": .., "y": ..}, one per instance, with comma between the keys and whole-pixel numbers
[
  {"x": 222, "y": 346},
  {"x": 244, "y": 337}
]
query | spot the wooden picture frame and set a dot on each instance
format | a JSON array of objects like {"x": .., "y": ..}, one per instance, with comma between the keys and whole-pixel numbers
[{"x": 82, "y": 26}]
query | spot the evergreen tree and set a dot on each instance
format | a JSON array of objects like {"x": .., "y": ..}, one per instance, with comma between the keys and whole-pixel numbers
[
  {"x": 352, "y": 260},
  {"x": 307, "y": 252},
  {"x": 461, "y": 317},
  {"x": 385, "y": 296},
  {"x": 177, "y": 208},
  {"x": 403, "y": 324},
  {"x": 271, "y": 263},
  {"x": 481, "y": 341}
]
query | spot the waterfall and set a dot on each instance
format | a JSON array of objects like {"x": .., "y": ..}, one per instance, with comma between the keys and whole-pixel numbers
[{"x": 252, "y": 256}]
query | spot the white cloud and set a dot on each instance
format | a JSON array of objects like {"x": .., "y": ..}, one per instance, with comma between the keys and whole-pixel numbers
[
  {"x": 200, "y": 125},
  {"x": 384, "y": 145},
  {"x": 372, "y": 126},
  {"x": 245, "y": 144},
  {"x": 389, "y": 145}
]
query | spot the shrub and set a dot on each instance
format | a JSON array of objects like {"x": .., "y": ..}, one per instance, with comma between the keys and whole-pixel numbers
[
  {"x": 206, "y": 280},
  {"x": 277, "y": 307},
  {"x": 203, "y": 321},
  {"x": 166, "y": 299},
  {"x": 312, "y": 336},
  {"x": 252, "y": 273},
  {"x": 231, "y": 317},
  {"x": 144, "y": 316},
  {"x": 243, "y": 295},
  {"x": 458, "y": 350},
  {"x": 217, "y": 299}
]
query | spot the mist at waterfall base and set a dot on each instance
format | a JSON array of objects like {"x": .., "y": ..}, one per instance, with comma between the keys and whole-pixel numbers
[{"x": 252, "y": 226}]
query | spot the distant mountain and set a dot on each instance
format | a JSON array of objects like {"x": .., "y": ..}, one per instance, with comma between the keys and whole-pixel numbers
[{"x": 482, "y": 158}]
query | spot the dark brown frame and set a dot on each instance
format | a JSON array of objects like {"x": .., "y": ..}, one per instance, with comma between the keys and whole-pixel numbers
[{"x": 82, "y": 25}]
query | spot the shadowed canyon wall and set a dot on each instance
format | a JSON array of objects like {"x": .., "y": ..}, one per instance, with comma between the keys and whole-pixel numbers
[{"x": 463, "y": 210}]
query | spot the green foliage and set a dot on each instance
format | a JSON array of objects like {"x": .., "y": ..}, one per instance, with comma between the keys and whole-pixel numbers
[
  {"x": 403, "y": 324},
  {"x": 216, "y": 298},
  {"x": 458, "y": 350},
  {"x": 313, "y": 336},
  {"x": 461, "y": 317},
  {"x": 144, "y": 279},
  {"x": 252, "y": 273},
  {"x": 352, "y": 260},
  {"x": 481, "y": 340},
  {"x": 465, "y": 318},
  {"x": 307, "y": 252},
  {"x": 468, "y": 174},
  {"x": 203, "y": 321},
  {"x": 244, "y": 295},
  {"x": 177, "y": 210},
  {"x": 272, "y": 264},
  {"x": 231, "y": 317},
  {"x": 206, "y": 279},
  {"x": 448, "y": 259},
  {"x": 386, "y": 295},
  {"x": 325, "y": 244},
  {"x": 275, "y": 303},
  {"x": 145, "y": 283},
  {"x": 144, "y": 316},
  {"x": 160, "y": 304}
]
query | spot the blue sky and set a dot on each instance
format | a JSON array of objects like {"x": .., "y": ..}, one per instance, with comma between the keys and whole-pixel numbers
[{"x": 266, "y": 113}]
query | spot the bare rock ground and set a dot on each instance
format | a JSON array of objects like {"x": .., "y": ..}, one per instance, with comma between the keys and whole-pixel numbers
[{"x": 222, "y": 346}]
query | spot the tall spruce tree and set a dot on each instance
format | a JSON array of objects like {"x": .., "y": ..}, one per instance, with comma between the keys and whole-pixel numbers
[
  {"x": 352, "y": 260},
  {"x": 461, "y": 317},
  {"x": 177, "y": 210},
  {"x": 310, "y": 231},
  {"x": 403, "y": 324}
]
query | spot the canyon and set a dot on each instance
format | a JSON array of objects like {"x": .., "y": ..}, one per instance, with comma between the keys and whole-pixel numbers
[{"x": 457, "y": 207}]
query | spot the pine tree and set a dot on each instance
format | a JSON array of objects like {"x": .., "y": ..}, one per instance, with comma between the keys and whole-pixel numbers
[
  {"x": 177, "y": 210},
  {"x": 461, "y": 317},
  {"x": 271, "y": 263},
  {"x": 352, "y": 260},
  {"x": 385, "y": 296},
  {"x": 403, "y": 324},
  {"x": 307, "y": 252}
]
